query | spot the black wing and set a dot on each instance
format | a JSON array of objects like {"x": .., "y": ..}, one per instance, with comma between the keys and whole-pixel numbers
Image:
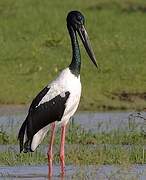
[
  {"x": 40, "y": 117},
  {"x": 46, "y": 113}
]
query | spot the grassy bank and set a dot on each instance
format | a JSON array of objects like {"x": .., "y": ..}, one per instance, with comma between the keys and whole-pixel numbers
[{"x": 35, "y": 46}]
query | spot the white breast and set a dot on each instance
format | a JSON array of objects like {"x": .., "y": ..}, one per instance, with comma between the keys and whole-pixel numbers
[{"x": 73, "y": 85}]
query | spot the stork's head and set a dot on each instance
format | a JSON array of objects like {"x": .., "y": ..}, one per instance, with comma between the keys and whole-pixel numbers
[{"x": 76, "y": 21}]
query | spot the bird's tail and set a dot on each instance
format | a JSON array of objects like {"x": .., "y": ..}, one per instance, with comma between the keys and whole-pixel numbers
[
  {"x": 24, "y": 142},
  {"x": 21, "y": 135},
  {"x": 29, "y": 142}
]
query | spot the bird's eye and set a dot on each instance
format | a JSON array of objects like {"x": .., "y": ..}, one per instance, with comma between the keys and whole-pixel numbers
[{"x": 79, "y": 18}]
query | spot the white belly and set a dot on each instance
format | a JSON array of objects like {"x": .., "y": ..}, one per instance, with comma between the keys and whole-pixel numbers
[
  {"x": 71, "y": 107},
  {"x": 73, "y": 85}
]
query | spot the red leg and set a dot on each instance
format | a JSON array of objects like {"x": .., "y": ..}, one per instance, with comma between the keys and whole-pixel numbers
[
  {"x": 63, "y": 128},
  {"x": 50, "y": 154}
]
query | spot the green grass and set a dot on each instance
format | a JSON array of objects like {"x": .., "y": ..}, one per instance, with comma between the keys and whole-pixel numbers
[
  {"x": 83, "y": 148},
  {"x": 35, "y": 46},
  {"x": 81, "y": 155}
]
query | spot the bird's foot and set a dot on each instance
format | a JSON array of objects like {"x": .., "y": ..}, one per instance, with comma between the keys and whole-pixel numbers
[
  {"x": 62, "y": 173},
  {"x": 62, "y": 165},
  {"x": 50, "y": 165}
]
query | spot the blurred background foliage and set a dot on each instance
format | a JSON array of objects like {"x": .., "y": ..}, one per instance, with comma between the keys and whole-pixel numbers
[{"x": 35, "y": 46}]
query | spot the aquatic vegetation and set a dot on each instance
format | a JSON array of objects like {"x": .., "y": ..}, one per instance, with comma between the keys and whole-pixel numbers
[
  {"x": 12, "y": 158},
  {"x": 118, "y": 146},
  {"x": 4, "y": 138},
  {"x": 81, "y": 154}
]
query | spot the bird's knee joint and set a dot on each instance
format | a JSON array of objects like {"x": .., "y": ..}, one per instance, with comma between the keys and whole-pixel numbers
[
  {"x": 61, "y": 157},
  {"x": 50, "y": 156}
]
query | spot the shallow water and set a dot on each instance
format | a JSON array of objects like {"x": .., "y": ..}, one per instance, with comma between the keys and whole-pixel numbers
[
  {"x": 12, "y": 118},
  {"x": 75, "y": 172}
]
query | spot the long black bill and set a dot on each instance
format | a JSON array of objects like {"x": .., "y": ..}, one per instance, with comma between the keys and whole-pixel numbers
[{"x": 85, "y": 39}]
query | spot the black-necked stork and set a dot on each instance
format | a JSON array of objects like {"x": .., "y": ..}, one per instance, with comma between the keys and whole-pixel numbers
[{"x": 59, "y": 100}]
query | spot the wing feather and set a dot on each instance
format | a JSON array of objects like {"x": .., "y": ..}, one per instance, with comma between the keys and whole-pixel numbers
[
  {"x": 38, "y": 98},
  {"x": 42, "y": 115}
]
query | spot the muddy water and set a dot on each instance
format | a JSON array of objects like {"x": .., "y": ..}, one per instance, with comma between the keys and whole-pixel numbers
[{"x": 75, "y": 172}]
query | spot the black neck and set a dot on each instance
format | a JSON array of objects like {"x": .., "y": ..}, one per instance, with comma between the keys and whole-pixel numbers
[{"x": 76, "y": 57}]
